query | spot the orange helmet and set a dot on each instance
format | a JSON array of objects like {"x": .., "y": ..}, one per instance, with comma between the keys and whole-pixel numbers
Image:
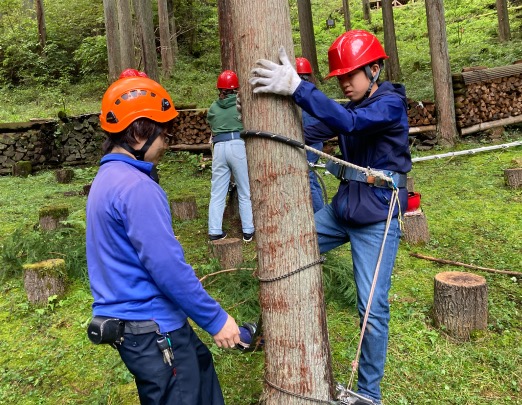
[
  {"x": 302, "y": 66},
  {"x": 135, "y": 97},
  {"x": 132, "y": 73},
  {"x": 227, "y": 80},
  {"x": 353, "y": 50}
]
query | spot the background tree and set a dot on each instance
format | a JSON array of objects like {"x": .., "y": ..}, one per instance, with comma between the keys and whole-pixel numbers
[
  {"x": 173, "y": 31},
  {"x": 226, "y": 36},
  {"x": 126, "y": 31},
  {"x": 367, "y": 11},
  {"x": 346, "y": 14},
  {"x": 442, "y": 83},
  {"x": 143, "y": 13},
  {"x": 297, "y": 349},
  {"x": 113, "y": 38},
  {"x": 306, "y": 29},
  {"x": 42, "y": 29},
  {"x": 504, "y": 32},
  {"x": 167, "y": 60},
  {"x": 393, "y": 69}
]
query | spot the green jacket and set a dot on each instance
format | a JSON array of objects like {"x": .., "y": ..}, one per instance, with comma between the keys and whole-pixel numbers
[{"x": 223, "y": 116}]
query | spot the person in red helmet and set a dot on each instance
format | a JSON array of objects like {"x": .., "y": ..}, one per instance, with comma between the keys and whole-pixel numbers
[
  {"x": 372, "y": 129},
  {"x": 143, "y": 289},
  {"x": 229, "y": 158},
  {"x": 304, "y": 70},
  {"x": 132, "y": 73}
]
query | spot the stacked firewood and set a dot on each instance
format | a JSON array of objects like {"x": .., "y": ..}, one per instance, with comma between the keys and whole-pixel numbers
[
  {"x": 190, "y": 128},
  {"x": 421, "y": 113},
  {"x": 483, "y": 95}
]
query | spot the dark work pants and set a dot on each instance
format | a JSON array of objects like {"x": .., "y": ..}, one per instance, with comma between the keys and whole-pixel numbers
[{"x": 191, "y": 380}]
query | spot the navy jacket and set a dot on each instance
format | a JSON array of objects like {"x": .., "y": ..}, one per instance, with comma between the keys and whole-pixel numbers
[{"x": 373, "y": 133}]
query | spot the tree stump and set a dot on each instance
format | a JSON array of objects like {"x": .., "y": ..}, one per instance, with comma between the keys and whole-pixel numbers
[
  {"x": 460, "y": 303},
  {"x": 44, "y": 279},
  {"x": 86, "y": 189},
  {"x": 22, "y": 169},
  {"x": 64, "y": 176},
  {"x": 229, "y": 252},
  {"x": 50, "y": 217},
  {"x": 513, "y": 177},
  {"x": 416, "y": 227},
  {"x": 410, "y": 184},
  {"x": 184, "y": 208}
]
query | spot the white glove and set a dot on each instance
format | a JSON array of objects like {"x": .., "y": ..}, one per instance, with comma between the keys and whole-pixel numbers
[
  {"x": 238, "y": 107},
  {"x": 273, "y": 78}
]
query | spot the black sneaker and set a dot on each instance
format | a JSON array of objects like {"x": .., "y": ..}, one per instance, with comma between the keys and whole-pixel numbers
[
  {"x": 247, "y": 237},
  {"x": 217, "y": 237}
]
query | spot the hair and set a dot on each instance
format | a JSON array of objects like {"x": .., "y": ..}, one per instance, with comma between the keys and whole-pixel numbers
[
  {"x": 140, "y": 129},
  {"x": 307, "y": 77},
  {"x": 223, "y": 93}
]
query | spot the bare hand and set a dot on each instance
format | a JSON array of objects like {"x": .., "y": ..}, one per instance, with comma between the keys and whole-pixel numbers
[{"x": 228, "y": 336}]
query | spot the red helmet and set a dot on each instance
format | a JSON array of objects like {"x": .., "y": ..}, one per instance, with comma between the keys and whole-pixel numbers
[
  {"x": 352, "y": 50},
  {"x": 414, "y": 200},
  {"x": 132, "y": 73},
  {"x": 227, "y": 80},
  {"x": 302, "y": 66},
  {"x": 135, "y": 97}
]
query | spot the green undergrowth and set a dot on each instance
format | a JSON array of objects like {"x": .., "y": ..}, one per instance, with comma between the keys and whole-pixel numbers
[{"x": 473, "y": 218}]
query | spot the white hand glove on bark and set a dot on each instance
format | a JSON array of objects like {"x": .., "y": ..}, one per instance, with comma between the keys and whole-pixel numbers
[{"x": 273, "y": 78}]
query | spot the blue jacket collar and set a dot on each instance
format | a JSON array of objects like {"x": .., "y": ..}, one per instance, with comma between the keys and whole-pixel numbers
[{"x": 145, "y": 167}]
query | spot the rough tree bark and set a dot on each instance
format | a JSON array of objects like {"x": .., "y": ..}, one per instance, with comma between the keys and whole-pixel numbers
[
  {"x": 393, "y": 69},
  {"x": 143, "y": 12},
  {"x": 42, "y": 28},
  {"x": 346, "y": 13},
  {"x": 297, "y": 350},
  {"x": 306, "y": 29},
  {"x": 167, "y": 59},
  {"x": 504, "y": 32},
  {"x": 126, "y": 30},
  {"x": 444, "y": 100},
  {"x": 226, "y": 35},
  {"x": 113, "y": 38}
]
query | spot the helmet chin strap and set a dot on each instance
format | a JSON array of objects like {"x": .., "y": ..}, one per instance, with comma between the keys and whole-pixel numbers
[
  {"x": 140, "y": 154},
  {"x": 373, "y": 79}
]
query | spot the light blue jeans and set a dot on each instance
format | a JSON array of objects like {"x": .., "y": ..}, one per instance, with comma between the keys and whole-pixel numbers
[
  {"x": 365, "y": 246},
  {"x": 229, "y": 157}
]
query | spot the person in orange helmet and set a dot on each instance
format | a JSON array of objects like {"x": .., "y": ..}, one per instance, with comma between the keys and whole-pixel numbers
[
  {"x": 372, "y": 129},
  {"x": 143, "y": 289}
]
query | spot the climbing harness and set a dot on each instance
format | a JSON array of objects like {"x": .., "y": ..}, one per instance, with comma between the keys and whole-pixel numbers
[{"x": 346, "y": 396}]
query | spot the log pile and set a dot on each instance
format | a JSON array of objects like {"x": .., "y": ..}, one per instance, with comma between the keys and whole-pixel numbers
[
  {"x": 190, "y": 128},
  {"x": 421, "y": 113},
  {"x": 484, "y": 95}
]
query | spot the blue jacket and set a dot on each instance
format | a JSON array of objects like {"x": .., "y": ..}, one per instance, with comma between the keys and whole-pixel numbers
[
  {"x": 373, "y": 133},
  {"x": 137, "y": 269}
]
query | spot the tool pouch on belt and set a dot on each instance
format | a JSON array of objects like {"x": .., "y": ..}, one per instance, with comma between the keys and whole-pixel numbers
[{"x": 104, "y": 329}]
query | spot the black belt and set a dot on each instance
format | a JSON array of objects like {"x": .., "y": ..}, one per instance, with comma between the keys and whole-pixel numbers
[
  {"x": 225, "y": 136},
  {"x": 346, "y": 173},
  {"x": 140, "y": 327}
]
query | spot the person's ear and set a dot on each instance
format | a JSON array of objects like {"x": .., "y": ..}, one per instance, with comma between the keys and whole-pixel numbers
[{"x": 375, "y": 68}]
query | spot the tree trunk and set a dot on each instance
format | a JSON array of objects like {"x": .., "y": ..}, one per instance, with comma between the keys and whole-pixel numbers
[
  {"x": 306, "y": 29},
  {"x": 167, "y": 61},
  {"x": 42, "y": 29},
  {"x": 444, "y": 100},
  {"x": 393, "y": 69},
  {"x": 297, "y": 348},
  {"x": 143, "y": 12},
  {"x": 460, "y": 303},
  {"x": 225, "y": 35},
  {"x": 346, "y": 13},
  {"x": 113, "y": 39},
  {"x": 128, "y": 59},
  {"x": 366, "y": 11},
  {"x": 504, "y": 32},
  {"x": 173, "y": 32}
]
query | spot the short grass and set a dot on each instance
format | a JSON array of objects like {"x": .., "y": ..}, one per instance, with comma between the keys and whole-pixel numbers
[{"x": 46, "y": 358}]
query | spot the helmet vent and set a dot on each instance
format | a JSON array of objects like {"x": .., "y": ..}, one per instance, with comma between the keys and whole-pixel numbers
[
  {"x": 165, "y": 104},
  {"x": 152, "y": 94},
  {"x": 111, "y": 118}
]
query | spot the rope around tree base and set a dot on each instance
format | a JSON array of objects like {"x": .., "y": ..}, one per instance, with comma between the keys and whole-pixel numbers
[{"x": 293, "y": 394}]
